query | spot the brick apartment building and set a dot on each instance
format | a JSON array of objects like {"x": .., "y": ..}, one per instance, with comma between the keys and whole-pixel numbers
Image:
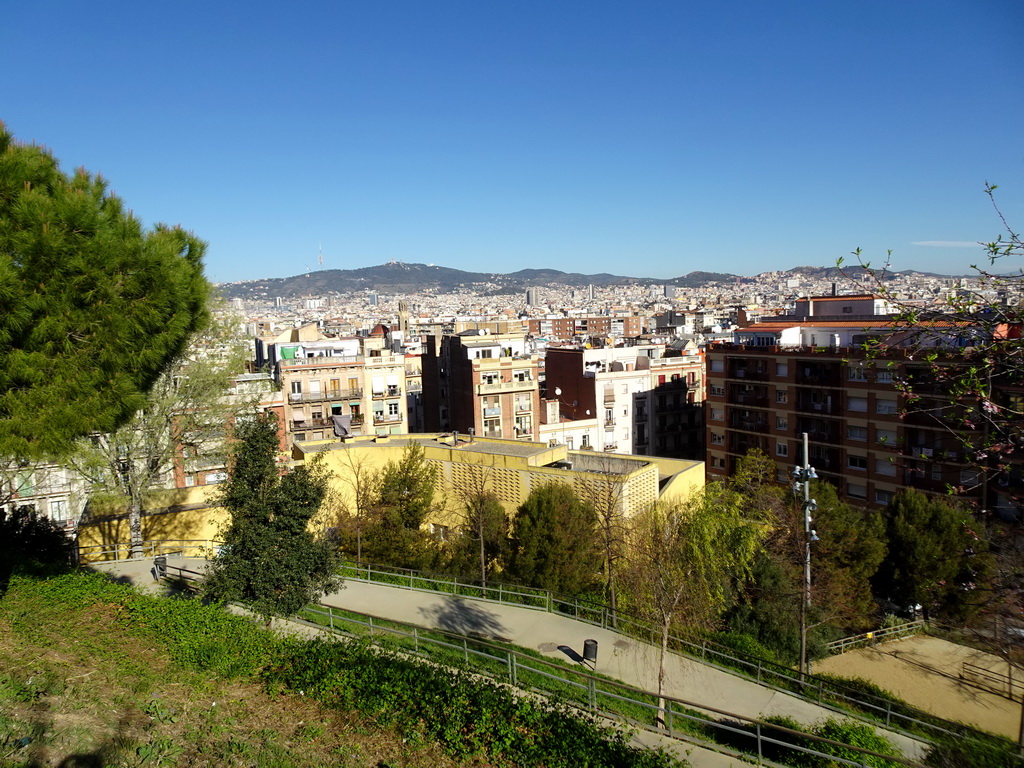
[
  {"x": 487, "y": 383},
  {"x": 567, "y": 328},
  {"x": 807, "y": 373}
]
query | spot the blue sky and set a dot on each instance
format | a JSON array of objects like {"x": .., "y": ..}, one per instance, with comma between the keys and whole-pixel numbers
[{"x": 640, "y": 138}]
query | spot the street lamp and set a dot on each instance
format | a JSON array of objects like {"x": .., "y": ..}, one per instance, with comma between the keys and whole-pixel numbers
[{"x": 802, "y": 477}]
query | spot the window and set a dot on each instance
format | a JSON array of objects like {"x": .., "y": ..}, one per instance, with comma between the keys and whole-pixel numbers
[
  {"x": 857, "y": 373},
  {"x": 781, "y": 422},
  {"x": 856, "y": 433},
  {"x": 717, "y": 414},
  {"x": 782, "y": 369},
  {"x": 717, "y": 439},
  {"x": 885, "y": 467},
  {"x": 717, "y": 391},
  {"x": 568, "y": 443},
  {"x": 296, "y": 387},
  {"x": 883, "y": 377},
  {"x": 883, "y": 497},
  {"x": 886, "y": 437},
  {"x": 392, "y": 409},
  {"x": 585, "y": 441},
  {"x": 969, "y": 477},
  {"x": 718, "y": 462},
  {"x": 440, "y": 532},
  {"x": 857, "y": 462},
  {"x": 857, "y": 404},
  {"x": 190, "y": 480},
  {"x": 314, "y": 387},
  {"x": 717, "y": 365},
  {"x": 847, "y": 310},
  {"x": 885, "y": 406},
  {"x": 856, "y": 490},
  {"x": 782, "y": 449},
  {"x": 59, "y": 510},
  {"x": 298, "y": 438},
  {"x": 781, "y": 396}
]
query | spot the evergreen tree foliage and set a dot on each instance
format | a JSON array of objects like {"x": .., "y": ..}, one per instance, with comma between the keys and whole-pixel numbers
[
  {"x": 92, "y": 306},
  {"x": 936, "y": 558},
  {"x": 270, "y": 560},
  {"x": 31, "y": 543},
  {"x": 554, "y": 542}
]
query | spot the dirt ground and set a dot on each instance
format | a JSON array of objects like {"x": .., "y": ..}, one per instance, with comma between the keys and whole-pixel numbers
[{"x": 926, "y": 672}]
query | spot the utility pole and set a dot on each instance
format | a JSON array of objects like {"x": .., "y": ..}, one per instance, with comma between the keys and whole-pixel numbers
[{"x": 802, "y": 482}]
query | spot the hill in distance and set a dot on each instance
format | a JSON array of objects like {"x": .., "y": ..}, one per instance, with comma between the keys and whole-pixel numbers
[{"x": 397, "y": 277}]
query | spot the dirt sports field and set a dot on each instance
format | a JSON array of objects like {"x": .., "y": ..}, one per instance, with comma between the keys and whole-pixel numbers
[{"x": 926, "y": 672}]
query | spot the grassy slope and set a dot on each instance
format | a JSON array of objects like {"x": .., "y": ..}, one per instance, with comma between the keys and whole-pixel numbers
[{"x": 74, "y": 684}]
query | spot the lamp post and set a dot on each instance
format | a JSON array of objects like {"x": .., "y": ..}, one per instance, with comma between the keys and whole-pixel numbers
[{"x": 802, "y": 477}]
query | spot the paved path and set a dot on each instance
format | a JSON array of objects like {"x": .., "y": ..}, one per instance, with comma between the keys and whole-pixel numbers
[{"x": 619, "y": 656}]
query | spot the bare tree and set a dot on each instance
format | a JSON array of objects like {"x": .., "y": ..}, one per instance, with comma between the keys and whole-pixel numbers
[
  {"x": 485, "y": 523},
  {"x": 352, "y": 506},
  {"x": 604, "y": 490}
]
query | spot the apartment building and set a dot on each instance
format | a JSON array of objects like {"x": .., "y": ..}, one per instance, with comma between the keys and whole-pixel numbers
[
  {"x": 352, "y": 385},
  {"x": 807, "y": 373},
  {"x": 644, "y": 401},
  {"x": 568, "y": 328},
  {"x": 481, "y": 382}
]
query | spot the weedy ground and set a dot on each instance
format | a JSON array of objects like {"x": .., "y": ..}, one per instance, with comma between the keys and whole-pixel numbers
[{"x": 76, "y": 689}]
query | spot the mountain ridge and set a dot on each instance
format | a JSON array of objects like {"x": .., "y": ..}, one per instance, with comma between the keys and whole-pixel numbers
[{"x": 396, "y": 277}]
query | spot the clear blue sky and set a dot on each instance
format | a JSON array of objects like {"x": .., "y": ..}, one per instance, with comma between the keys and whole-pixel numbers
[{"x": 640, "y": 138}]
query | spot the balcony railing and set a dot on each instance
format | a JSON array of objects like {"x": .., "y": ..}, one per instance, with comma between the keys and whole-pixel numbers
[
  {"x": 505, "y": 386},
  {"x": 391, "y": 390},
  {"x": 330, "y": 394},
  {"x": 300, "y": 424},
  {"x": 609, "y": 423},
  {"x": 387, "y": 418}
]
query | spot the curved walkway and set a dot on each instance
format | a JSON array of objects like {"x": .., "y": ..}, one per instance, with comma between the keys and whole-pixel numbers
[{"x": 621, "y": 657}]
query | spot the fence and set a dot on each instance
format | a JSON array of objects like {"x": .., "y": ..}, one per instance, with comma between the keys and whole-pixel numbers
[
  {"x": 842, "y": 699},
  {"x": 682, "y": 720},
  {"x": 997, "y": 682},
  {"x": 98, "y": 553},
  {"x": 879, "y": 635}
]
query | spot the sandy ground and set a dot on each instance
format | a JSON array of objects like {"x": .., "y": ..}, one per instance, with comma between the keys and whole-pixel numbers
[{"x": 926, "y": 673}]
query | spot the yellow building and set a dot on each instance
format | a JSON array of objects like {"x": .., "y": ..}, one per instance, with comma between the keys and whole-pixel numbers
[{"x": 510, "y": 469}]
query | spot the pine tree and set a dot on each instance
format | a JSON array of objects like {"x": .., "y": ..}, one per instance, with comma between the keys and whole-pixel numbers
[
  {"x": 270, "y": 560},
  {"x": 92, "y": 306},
  {"x": 554, "y": 542}
]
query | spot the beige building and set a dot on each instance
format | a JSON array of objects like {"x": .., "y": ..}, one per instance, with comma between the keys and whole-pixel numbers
[
  {"x": 511, "y": 469},
  {"x": 352, "y": 385}
]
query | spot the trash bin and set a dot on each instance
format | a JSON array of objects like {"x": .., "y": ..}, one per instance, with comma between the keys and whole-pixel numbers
[
  {"x": 590, "y": 651},
  {"x": 160, "y": 566}
]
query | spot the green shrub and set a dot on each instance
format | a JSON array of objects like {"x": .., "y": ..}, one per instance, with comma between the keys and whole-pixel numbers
[
  {"x": 203, "y": 636},
  {"x": 463, "y": 713},
  {"x": 993, "y": 752},
  {"x": 856, "y": 735},
  {"x": 744, "y": 644}
]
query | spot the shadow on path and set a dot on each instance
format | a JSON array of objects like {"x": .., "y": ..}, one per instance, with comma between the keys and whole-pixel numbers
[
  {"x": 465, "y": 618},
  {"x": 571, "y": 653}
]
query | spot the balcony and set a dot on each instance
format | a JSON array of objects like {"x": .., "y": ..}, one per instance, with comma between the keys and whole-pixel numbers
[
  {"x": 755, "y": 399},
  {"x": 829, "y": 404},
  {"x": 387, "y": 418},
  {"x": 818, "y": 374},
  {"x": 750, "y": 425},
  {"x": 391, "y": 391},
  {"x": 330, "y": 394},
  {"x": 524, "y": 407},
  {"x": 749, "y": 372},
  {"x": 492, "y": 413},
  {"x": 303, "y": 424},
  {"x": 611, "y": 447},
  {"x": 506, "y": 386},
  {"x": 609, "y": 423}
]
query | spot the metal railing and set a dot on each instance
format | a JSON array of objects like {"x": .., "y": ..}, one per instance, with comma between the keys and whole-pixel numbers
[
  {"x": 732, "y": 734},
  {"x": 879, "y": 635},
  {"x": 1000, "y": 683},
  {"x": 98, "y": 553},
  {"x": 823, "y": 692}
]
